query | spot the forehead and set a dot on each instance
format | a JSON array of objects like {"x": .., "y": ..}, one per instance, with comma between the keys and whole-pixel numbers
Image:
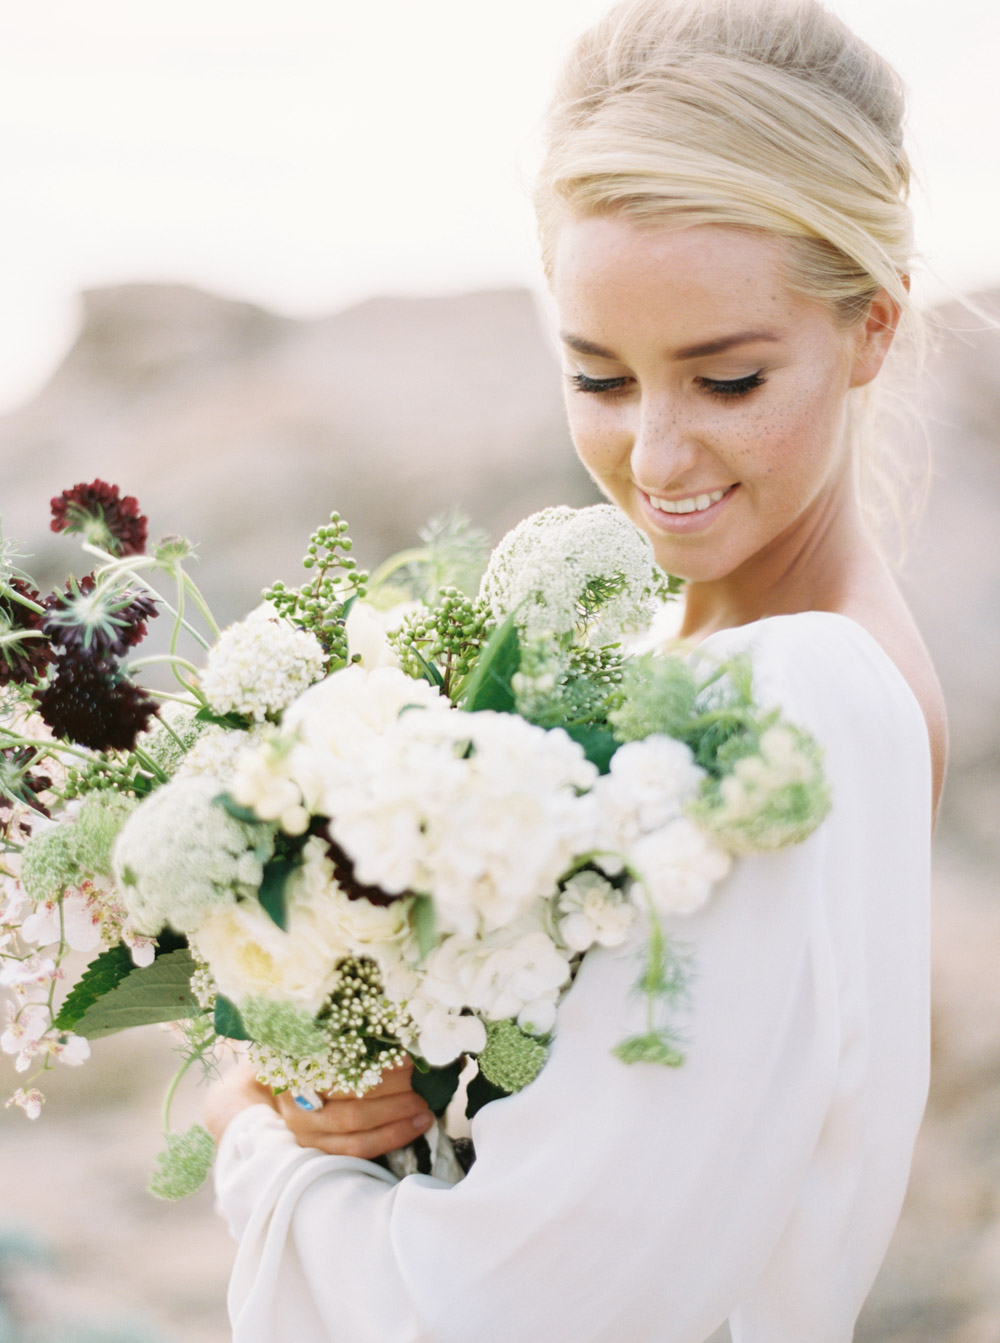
[{"x": 610, "y": 271}]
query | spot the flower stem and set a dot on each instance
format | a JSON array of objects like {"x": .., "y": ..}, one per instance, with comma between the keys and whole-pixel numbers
[{"x": 168, "y": 1099}]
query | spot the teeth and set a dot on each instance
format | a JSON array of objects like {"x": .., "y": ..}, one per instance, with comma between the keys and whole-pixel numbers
[{"x": 696, "y": 504}]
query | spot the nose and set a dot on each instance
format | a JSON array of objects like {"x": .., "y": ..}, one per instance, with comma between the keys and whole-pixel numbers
[{"x": 664, "y": 449}]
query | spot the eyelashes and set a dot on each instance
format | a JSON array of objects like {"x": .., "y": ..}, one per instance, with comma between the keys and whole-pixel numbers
[{"x": 731, "y": 387}]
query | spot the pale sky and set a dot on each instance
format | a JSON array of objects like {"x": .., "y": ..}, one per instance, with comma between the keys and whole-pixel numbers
[{"x": 307, "y": 153}]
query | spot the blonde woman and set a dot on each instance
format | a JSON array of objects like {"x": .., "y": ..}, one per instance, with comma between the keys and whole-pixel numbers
[{"x": 722, "y": 210}]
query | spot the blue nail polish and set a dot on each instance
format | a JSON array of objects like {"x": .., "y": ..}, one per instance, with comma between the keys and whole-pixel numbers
[{"x": 304, "y": 1103}]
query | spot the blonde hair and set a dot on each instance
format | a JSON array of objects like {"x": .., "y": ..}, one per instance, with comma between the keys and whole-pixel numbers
[{"x": 761, "y": 114}]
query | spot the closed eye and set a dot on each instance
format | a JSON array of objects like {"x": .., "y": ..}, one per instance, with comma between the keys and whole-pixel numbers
[
  {"x": 582, "y": 383},
  {"x": 732, "y": 386}
]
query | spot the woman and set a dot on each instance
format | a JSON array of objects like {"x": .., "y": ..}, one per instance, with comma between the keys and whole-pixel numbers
[{"x": 723, "y": 222}]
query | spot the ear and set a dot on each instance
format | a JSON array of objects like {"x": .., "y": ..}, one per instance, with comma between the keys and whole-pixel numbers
[{"x": 874, "y": 335}]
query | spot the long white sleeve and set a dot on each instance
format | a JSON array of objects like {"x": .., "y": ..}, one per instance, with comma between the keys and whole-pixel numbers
[{"x": 638, "y": 1204}]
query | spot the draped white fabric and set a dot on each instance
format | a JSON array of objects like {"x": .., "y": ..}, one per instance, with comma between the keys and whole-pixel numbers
[{"x": 639, "y": 1204}]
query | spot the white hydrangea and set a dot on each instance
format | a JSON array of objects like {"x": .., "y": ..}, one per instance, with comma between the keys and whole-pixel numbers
[
  {"x": 479, "y": 810},
  {"x": 680, "y": 864},
  {"x": 542, "y": 568},
  {"x": 179, "y": 856},
  {"x": 326, "y": 735},
  {"x": 593, "y": 912},
  {"x": 217, "y": 752},
  {"x": 444, "y": 1035},
  {"x": 260, "y": 665},
  {"x": 498, "y": 974},
  {"x": 649, "y": 783}
]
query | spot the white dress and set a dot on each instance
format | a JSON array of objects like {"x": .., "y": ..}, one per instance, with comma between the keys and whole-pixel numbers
[{"x": 615, "y": 1203}]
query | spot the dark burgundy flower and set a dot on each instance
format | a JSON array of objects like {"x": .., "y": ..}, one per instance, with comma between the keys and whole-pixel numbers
[
  {"x": 343, "y": 873},
  {"x": 90, "y": 701},
  {"x": 23, "y": 660},
  {"x": 103, "y": 515},
  {"x": 97, "y": 618}
]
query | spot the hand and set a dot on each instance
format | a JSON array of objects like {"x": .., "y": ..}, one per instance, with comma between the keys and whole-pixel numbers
[{"x": 389, "y": 1116}]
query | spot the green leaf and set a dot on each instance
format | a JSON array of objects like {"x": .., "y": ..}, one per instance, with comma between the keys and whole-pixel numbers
[
  {"x": 480, "y": 1092},
  {"x": 232, "y": 720},
  {"x": 102, "y": 975},
  {"x": 228, "y": 1021},
  {"x": 437, "y": 1085},
  {"x": 148, "y": 994},
  {"x": 232, "y": 808},
  {"x": 425, "y": 924},
  {"x": 599, "y": 745},
  {"x": 431, "y": 673},
  {"x": 489, "y": 683},
  {"x": 272, "y": 889}
]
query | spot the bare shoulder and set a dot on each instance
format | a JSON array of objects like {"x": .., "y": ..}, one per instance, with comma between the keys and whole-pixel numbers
[{"x": 892, "y": 626}]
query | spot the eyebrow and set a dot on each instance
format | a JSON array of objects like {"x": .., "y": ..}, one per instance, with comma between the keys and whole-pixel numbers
[{"x": 699, "y": 351}]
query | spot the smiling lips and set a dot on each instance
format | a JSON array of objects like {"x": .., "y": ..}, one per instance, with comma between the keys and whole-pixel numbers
[{"x": 697, "y": 503}]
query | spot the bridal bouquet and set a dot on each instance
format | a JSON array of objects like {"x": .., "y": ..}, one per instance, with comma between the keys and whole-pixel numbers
[{"x": 380, "y": 816}]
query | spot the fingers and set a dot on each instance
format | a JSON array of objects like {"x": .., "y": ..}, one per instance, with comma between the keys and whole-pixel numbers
[
  {"x": 373, "y": 1142},
  {"x": 389, "y": 1116},
  {"x": 350, "y": 1114}
]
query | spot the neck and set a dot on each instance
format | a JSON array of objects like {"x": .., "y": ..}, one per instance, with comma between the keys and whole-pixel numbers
[{"x": 813, "y": 566}]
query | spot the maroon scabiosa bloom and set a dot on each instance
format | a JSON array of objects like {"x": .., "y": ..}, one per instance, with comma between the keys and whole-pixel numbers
[
  {"x": 24, "y": 654},
  {"x": 105, "y": 517},
  {"x": 97, "y": 618},
  {"x": 89, "y": 700}
]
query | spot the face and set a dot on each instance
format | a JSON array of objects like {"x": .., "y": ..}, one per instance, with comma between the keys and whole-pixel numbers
[{"x": 705, "y": 397}]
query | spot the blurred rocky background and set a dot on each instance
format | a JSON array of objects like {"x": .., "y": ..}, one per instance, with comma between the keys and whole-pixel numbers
[{"x": 242, "y": 430}]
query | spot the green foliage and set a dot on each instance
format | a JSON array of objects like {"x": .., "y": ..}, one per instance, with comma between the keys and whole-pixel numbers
[
  {"x": 489, "y": 684},
  {"x": 154, "y": 993},
  {"x": 436, "y": 1085},
  {"x": 654, "y": 1047},
  {"x": 599, "y": 745},
  {"x": 480, "y": 1092},
  {"x": 442, "y": 641},
  {"x": 246, "y": 815},
  {"x": 453, "y": 555},
  {"x": 182, "y": 1168},
  {"x": 102, "y": 975},
  {"x": 228, "y": 1021},
  {"x": 322, "y": 603},
  {"x": 657, "y": 694},
  {"x": 425, "y": 924},
  {"x": 272, "y": 889}
]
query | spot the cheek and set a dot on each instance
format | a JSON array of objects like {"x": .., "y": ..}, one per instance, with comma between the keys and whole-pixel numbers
[{"x": 599, "y": 438}]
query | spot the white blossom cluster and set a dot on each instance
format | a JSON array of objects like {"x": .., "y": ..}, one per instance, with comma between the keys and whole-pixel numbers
[
  {"x": 561, "y": 562},
  {"x": 259, "y": 665},
  {"x": 181, "y": 856}
]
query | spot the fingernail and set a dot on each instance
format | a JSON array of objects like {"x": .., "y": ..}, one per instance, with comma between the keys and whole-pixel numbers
[{"x": 423, "y": 1121}]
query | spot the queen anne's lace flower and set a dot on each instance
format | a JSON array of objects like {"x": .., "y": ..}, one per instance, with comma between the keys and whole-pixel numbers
[
  {"x": 180, "y": 856},
  {"x": 565, "y": 567},
  {"x": 260, "y": 665}
]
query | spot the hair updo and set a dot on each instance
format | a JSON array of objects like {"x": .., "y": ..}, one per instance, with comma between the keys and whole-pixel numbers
[{"x": 761, "y": 114}]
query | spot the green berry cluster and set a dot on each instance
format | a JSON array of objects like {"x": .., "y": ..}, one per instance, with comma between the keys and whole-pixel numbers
[
  {"x": 107, "y": 773},
  {"x": 445, "y": 639},
  {"x": 320, "y": 604}
]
